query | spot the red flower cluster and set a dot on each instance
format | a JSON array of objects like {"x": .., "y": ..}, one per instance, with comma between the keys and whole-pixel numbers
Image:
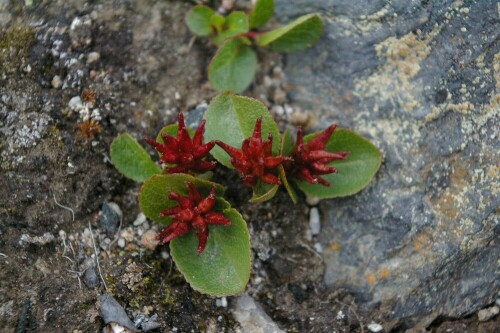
[
  {"x": 194, "y": 212},
  {"x": 185, "y": 153},
  {"x": 310, "y": 159},
  {"x": 254, "y": 161}
]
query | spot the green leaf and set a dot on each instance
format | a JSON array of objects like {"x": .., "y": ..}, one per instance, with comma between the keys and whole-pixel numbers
[
  {"x": 263, "y": 192},
  {"x": 261, "y": 13},
  {"x": 198, "y": 20},
  {"x": 231, "y": 119},
  {"x": 354, "y": 173},
  {"x": 153, "y": 196},
  {"x": 232, "y": 67},
  {"x": 223, "y": 268},
  {"x": 289, "y": 189},
  {"x": 235, "y": 24},
  {"x": 217, "y": 22},
  {"x": 298, "y": 35},
  {"x": 287, "y": 145},
  {"x": 131, "y": 159}
]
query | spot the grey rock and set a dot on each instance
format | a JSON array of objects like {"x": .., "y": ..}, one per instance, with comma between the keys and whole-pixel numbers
[
  {"x": 488, "y": 313},
  {"x": 112, "y": 312},
  {"x": 90, "y": 278},
  {"x": 151, "y": 323},
  {"x": 194, "y": 117},
  {"x": 252, "y": 317},
  {"x": 420, "y": 80},
  {"x": 110, "y": 217}
]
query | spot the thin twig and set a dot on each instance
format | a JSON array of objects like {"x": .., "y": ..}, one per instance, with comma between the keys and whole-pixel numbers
[
  {"x": 97, "y": 257},
  {"x": 355, "y": 314},
  {"x": 66, "y": 257},
  {"x": 74, "y": 272},
  {"x": 311, "y": 250},
  {"x": 65, "y": 207},
  {"x": 190, "y": 45},
  {"x": 4, "y": 255},
  {"x": 74, "y": 256}
]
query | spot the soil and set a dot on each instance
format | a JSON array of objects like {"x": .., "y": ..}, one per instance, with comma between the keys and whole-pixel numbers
[{"x": 148, "y": 70}]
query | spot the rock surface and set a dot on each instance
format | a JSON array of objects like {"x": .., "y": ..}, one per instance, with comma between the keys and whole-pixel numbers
[
  {"x": 421, "y": 81},
  {"x": 252, "y": 317}
]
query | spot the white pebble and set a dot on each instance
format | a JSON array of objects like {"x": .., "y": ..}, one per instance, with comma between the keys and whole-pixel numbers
[
  {"x": 314, "y": 221},
  {"x": 318, "y": 247},
  {"x": 121, "y": 242},
  {"x": 140, "y": 219},
  {"x": 374, "y": 327},
  {"x": 487, "y": 314},
  {"x": 93, "y": 57},
  {"x": 221, "y": 302},
  {"x": 56, "y": 82},
  {"x": 75, "y": 103}
]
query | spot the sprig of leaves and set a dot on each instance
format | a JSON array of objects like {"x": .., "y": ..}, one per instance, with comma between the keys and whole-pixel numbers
[
  {"x": 223, "y": 268},
  {"x": 235, "y": 63}
]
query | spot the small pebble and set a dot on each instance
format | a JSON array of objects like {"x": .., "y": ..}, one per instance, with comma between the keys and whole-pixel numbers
[
  {"x": 56, "y": 82},
  {"x": 373, "y": 327},
  {"x": 279, "y": 96},
  {"x": 93, "y": 57},
  {"x": 318, "y": 247},
  {"x": 221, "y": 302},
  {"x": 110, "y": 216},
  {"x": 140, "y": 219},
  {"x": 314, "y": 221},
  {"x": 299, "y": 118},
  {"x": 128, "y": 235},
  {"x": 121, "y": 242},
  {"x": 488, "y": 313},
  {"x": 278, "y": 110},
  {"x": 148, "y": 240},
  {"x": 90, "y": 278},
  {"x": 75, "y": 103}
]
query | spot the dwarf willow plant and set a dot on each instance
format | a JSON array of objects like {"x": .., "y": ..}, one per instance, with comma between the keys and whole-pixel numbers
[
  {"x": 209, "y": 240},
  {"x": 233, "y": 66}
]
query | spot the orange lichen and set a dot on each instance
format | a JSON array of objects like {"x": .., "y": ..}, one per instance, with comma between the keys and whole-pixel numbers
[{"x": 335, "y": 246}]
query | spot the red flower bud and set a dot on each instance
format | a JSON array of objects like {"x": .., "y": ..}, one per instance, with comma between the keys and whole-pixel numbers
[
  {"x": 185, "y": 153},
  {"x": 192, "y": 212},
  {"x": 254, "y": 161},
  {"x": 310, "y": 159}
]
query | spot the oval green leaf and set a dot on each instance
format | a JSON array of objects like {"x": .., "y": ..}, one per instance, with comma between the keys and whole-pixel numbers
[
  {"x": 198, "y": 20},
  {"x": 131, "y": 159},
  {"x": 287, "y": 150},
  {"x": 354, "y": 173},
  {"x": 233, "y": 67},
  {"x": 261, "y": 13},
  {"x": 235, "y": 24},
  {"x": 298, "y": 35},
  {"x": 153, "y": 196},
  {"x": 231, "y": 119},
  {"x": 223, "y": 268},
  {"x": 217, "y": 22}
]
